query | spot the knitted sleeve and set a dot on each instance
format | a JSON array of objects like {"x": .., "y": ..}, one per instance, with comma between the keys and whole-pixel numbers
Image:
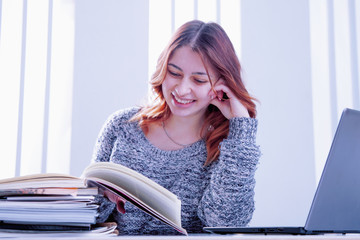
[
  {"x": 108, "y": 135},
  {"x": 229, "y": 198},
  {"x": 105, "y": 141}
]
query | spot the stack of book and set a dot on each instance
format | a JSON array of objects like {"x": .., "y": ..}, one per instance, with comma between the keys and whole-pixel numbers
[
  {"x": 48, "y": 203},
  {"x": 61, "y": 204}
]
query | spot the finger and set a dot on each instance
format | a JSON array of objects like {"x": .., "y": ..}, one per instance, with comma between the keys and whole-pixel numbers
[
  {"x": 231, "y": 107},
  {"x": 223, "y": 106},
  {"x": 223, "y": 92},
  {"x": 219, "y": 103}
]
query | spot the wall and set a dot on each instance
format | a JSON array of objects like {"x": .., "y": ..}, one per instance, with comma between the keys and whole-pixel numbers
[
  {"x": 276, "y": 62},
  {"x": 110, "y": 68}
]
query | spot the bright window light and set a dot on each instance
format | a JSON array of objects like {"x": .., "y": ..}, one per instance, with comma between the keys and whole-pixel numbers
[
  {"x": 34, "y": 86},
  {"x": 159, "y": 30},
  {"x": 207, "y": 10},
  {"x": 342, "y": 56},
  {"x": 230, "y": 20},
  {"x": 60, "y": 105},
  {"x": 184, "y": 12},
  {"x": 10, "y": 65},
  {"x": 320, "y": 74}
]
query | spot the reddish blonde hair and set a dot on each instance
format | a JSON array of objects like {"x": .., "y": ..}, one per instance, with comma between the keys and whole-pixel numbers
[{"x": 213, "y": 45}]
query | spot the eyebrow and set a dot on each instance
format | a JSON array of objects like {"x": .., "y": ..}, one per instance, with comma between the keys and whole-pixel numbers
[{"x": 194, "y": 73}]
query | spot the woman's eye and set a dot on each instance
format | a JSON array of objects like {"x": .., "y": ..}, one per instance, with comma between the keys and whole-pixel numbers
[
  {"x": 199, "y": 80},
  {"x": 174, "y": 74}
]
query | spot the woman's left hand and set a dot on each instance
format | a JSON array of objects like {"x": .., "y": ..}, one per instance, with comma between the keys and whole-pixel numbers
[{"x": 231, "y": 107}]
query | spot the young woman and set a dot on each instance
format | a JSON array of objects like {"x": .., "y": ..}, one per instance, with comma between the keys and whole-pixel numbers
[{"x": 197, "y": 138}]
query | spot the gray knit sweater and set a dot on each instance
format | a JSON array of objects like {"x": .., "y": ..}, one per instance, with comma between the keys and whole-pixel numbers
[{"x": 221, "y": 194}]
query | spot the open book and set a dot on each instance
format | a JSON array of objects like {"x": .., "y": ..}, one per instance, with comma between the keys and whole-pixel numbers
[{"x": 112, "y": 180}]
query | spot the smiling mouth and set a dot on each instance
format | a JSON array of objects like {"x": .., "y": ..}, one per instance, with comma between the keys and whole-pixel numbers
[{"x": 182, "y": 101}]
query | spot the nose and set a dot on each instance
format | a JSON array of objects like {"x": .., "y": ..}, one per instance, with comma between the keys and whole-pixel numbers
[{"x": 183, "y": 87}]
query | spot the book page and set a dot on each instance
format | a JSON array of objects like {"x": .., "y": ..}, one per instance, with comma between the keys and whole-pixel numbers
[
  {"x": 168, "y": 207},
  {"x": 144, "y": 192},
  {"x": 43, "y": 180},
  {"x": 50, "y": 191},
  {"x": 171, "y": 217},
  {"x": 118, "y": 168}
]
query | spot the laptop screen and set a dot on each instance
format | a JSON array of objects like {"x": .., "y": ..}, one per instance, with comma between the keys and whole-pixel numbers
[{"x": 336, "y": 204}]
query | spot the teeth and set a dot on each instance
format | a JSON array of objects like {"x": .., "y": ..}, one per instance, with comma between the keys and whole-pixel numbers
[{"x": 181, "y": 100}]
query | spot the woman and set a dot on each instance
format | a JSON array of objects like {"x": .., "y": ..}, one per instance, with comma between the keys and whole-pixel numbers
[{"x": 197, "y": 138}]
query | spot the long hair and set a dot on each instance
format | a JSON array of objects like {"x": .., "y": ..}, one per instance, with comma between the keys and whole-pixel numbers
[{"x": 214, "y": 47}]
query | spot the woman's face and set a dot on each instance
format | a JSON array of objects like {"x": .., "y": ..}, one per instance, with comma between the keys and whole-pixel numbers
[{"x": 186, "y": 86}]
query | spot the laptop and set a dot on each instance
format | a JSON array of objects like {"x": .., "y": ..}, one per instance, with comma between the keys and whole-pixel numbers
[{"x": 336, "y": 204}]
